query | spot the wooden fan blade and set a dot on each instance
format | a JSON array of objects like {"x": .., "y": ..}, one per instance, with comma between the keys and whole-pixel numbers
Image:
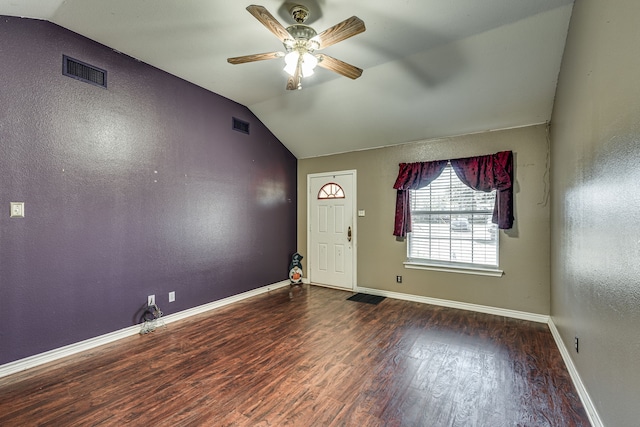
[
  {"x": 345, "y": 29},
  {"x": 295, "y": 82},
  {"x": 291, "y": 84},
  {"x": 255, "y": 57},
  {"x": 263, "y": 15},
  {"x": 337, "y": 66}
]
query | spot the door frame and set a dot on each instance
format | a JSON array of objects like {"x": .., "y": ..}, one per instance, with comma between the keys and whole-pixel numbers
[{"x": 354, "y": 222}]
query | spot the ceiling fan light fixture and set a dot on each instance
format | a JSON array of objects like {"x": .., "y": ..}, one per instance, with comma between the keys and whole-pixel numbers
[
  {"x": 291, "y": 61},
  {"x": 307, "y": 63}
]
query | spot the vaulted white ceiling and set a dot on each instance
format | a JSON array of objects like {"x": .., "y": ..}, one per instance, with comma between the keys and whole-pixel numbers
[{"x": 432, "y": 68}]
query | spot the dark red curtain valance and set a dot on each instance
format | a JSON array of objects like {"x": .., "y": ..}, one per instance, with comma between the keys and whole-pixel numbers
[
  {"x": 411, "y": 177},
  {"x": 482, "y": 173}
]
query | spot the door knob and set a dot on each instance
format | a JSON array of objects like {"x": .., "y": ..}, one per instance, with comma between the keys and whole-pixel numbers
[{"x": 349, "y": 233}]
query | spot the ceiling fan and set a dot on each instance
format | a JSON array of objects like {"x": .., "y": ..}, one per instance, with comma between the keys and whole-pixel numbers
[{"x": 301, "y": 41}]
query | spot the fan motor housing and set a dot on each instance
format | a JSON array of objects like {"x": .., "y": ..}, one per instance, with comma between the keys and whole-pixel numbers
[
  {"x": 301, "y": 32},
  {"x": 302, "y": 35}
]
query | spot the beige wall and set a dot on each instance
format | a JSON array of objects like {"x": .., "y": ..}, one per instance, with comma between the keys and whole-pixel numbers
[
  {"x": 524, "y": 250},
  {"x": 596, "y": 204}
]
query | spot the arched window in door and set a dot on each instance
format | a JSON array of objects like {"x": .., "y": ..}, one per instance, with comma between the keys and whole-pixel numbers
[{"x": 331, "y": 191}]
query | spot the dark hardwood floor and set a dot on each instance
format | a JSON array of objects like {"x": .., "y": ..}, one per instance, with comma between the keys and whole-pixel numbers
[{"x": 315, "y": 359}]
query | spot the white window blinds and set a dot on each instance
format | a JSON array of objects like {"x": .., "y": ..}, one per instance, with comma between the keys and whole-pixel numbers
[{"x": 451, "y": 224}]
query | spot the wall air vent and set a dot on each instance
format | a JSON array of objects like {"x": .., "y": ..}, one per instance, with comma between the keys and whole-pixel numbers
[
  {"x": 241, "y": 126},
  {"x": 84, "y": 72}
]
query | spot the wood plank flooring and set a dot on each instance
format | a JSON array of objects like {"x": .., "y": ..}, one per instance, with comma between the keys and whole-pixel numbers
[{"x": 312, "y": 359}]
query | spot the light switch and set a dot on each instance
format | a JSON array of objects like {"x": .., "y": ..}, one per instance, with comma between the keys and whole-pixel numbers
[
  {"x": 360, "y": 212},
  {"x": 17, "y": 209}
]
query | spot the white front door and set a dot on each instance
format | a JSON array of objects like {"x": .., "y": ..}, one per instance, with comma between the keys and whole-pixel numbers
[{"x": 331, "y": 231}]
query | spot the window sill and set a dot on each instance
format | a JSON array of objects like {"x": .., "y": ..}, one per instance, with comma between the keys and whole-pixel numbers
[{"x": 480, "y": 271}]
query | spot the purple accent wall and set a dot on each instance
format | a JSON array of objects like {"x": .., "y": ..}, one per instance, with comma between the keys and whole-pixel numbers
[{"x": 139, "y": 189}]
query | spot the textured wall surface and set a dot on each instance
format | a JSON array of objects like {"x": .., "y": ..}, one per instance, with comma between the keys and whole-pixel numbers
[
  {"x": 524, "y": 250},
  {"x": 596, "y": 204},
  {"x": 142, "y": 188}
]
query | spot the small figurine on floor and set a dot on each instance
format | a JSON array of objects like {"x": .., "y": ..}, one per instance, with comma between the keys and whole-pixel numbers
[{"x": 295, "y": 270}]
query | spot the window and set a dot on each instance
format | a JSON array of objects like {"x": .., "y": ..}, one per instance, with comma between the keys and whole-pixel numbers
[
  {"x": 331, "y": 191},
  {"x": 451, "y": 225}
]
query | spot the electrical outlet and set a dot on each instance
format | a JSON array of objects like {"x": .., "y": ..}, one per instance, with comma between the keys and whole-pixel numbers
[
  {"x": 575, "y": 344},
  {"x": 172, "y": 296},
  {"x": 151, "y": 300},
  {"x": 398, "y": 279}
]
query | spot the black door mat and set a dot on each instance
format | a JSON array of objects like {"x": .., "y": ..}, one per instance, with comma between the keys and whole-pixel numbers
[{"x": 369, "y": 299}]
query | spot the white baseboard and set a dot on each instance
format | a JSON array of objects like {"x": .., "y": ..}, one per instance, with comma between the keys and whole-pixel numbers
[
  {"x": 58, "y": 353},
  {"x": 68, "y": 350},
  {"x": 223, "y": 302},
  {"x": 577, "y": 381},
  {"x": 522, "y": 315}
]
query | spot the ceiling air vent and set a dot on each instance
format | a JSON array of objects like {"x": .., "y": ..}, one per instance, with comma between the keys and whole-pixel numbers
[
  {"x": 241, "y": 126},
  {"x": 84, "y": 72}
]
